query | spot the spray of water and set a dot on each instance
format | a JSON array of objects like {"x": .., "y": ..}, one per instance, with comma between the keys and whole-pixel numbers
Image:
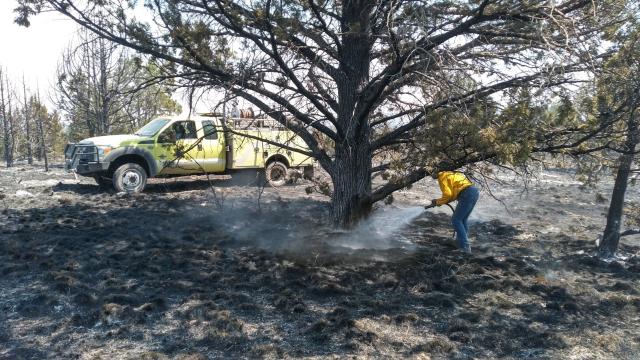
[
  {"x": 381, "y": 231},
  {"x": 298, "y": 230}
]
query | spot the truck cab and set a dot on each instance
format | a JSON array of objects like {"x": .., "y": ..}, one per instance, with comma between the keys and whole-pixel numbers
[{"x": 174, "y": 146}]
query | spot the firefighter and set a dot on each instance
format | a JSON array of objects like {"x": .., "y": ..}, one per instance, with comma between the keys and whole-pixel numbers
[{"x": 456, "y": 186}]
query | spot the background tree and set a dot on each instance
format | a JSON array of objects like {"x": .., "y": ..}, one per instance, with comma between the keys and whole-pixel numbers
[
  {"x": 56, "y": 138},
  {"x": 148, "y": 96},
  {"x": 40, "y": 119},
  {"x": 27, "y": 119},
  {"x": 90, "y": 78},
  {"x": 7, "y": 120},
  {"x": 51, "y": 132},
  {"x": 102, "y": 89},
  {"x": 45, "y": 129},
  {"x": 367, "y": 75},
  {"x": 619, "y": 96}
]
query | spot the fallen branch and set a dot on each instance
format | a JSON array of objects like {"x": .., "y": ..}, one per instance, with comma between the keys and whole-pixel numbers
[{"x": 630, "y": 232}]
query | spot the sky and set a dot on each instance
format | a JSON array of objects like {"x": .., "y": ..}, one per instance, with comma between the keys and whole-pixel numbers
[{"x": 33, "y": 51}]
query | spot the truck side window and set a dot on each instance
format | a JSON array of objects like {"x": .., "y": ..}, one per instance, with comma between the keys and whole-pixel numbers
[
  {"x": 189, "y": 128},
  {"x": 179, "y": 130},
  {"x": 167, "y": 137},
  {"x": 209, "y": 130}
]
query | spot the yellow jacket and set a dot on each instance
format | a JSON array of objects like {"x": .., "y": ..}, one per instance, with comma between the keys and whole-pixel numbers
[{"x": 451, "y": 184}]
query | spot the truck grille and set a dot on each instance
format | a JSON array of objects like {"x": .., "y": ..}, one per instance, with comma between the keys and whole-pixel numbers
[{"x": 79, "y": 154}]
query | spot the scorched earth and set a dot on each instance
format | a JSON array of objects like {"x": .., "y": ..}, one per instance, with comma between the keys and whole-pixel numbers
[{"x": 178, "y": 273}]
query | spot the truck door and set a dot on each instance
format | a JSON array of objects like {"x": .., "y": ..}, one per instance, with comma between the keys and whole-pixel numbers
[
  {"x": 178, "y": 150},
  {"x": 214, "y": 147}
]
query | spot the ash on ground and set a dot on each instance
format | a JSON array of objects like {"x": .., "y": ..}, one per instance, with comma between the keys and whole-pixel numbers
[{"x": 178, "y": 273}]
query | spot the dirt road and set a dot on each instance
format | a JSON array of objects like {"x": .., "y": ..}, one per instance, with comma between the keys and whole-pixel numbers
[{"x": 178, "y": 273}]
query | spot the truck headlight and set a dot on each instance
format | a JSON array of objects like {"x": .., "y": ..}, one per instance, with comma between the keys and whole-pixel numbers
[{"x": 103, "y": 150}]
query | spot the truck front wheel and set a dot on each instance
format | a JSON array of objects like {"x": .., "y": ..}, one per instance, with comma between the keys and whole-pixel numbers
[
  {"x": 129, "y": 177},
  {"x": 276, "y": 174}
]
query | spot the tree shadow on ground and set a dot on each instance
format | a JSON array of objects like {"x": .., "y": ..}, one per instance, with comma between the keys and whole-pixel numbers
[
  {"x": 170, "y": 278},
  {"x": 79, "y": 188},
  {"x": 163, "y": 185}
]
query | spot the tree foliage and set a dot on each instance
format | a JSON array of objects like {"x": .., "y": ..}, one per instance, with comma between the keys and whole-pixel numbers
[{"x": 371, "y": 75}]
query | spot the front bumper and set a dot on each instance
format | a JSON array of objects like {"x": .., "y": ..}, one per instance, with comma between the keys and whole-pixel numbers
[{"x": 83, "y": 159}]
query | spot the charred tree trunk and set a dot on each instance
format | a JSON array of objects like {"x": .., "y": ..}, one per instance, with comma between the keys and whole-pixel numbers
[
  {"x": 8, "y": 158},
  {"x": 89, "y": 116},
  {"x": 351, "y": 200},
  {"x": 611, "y": 236},
  {"x": 350, "y": 173},
  {"x": 43, "y": 145},
  {"x": 35, "y": 108},
  {"x": 104, "y": 89},
  {"x": 26, "y": 123},
  {"x": 12, "y": 130}
]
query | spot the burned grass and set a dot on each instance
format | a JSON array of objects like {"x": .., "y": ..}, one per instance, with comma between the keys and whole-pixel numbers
[{"x": 164, "y": 275}]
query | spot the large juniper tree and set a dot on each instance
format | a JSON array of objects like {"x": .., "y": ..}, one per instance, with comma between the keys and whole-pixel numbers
[{"x": 366, "y": 75}]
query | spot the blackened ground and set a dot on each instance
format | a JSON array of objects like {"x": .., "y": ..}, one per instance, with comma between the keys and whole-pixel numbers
[{"x": 178, "y": 273}]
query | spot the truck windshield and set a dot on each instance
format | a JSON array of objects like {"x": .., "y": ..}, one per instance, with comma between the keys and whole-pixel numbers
[{"x": 152, "y": 127}]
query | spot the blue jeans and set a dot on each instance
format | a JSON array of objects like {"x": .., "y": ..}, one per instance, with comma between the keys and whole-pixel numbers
[{"x": 466, "y": 201}]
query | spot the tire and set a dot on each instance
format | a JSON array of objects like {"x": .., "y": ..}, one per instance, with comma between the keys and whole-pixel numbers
[
  {"x": 130, "y": 178},
  {"x": 276, "y": 174},
  {"x": 104, "y": 183}
]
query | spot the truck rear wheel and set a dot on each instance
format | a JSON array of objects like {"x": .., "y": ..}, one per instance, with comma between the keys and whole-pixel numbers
[
  {"x": 129, "y": 177},
  {"x": 276, "y": 173}
]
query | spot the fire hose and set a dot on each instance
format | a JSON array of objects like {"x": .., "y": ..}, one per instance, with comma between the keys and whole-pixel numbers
[
  {"x": 433, "y": 205},
  {"x": 450, "y": 207}
]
